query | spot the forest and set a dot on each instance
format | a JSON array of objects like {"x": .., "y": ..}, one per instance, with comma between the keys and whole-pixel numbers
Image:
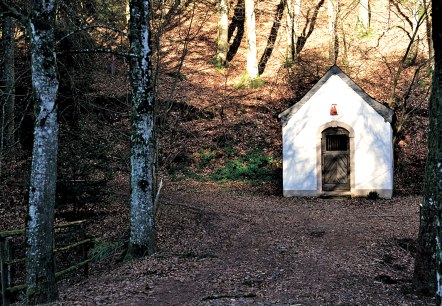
[{"x": 141, "y": 153}]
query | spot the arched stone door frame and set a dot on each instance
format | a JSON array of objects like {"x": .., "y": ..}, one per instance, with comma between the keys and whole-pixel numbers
[{"x": 351, "y": 137}]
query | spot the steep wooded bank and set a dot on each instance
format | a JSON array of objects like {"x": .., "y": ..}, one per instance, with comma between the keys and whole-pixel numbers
[{"x": 215, "y": 116}]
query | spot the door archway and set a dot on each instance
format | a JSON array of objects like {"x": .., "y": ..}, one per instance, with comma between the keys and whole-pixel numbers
[{"x": 335, "y": 159}]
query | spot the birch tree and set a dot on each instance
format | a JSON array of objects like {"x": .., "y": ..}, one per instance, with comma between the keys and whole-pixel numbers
[
  {"x": 252, "y": 61},
  {"x": 40, "y": 274},
  {"x": 142, "y": 230},
  {"x": 428, "y": 263},
  {"x": 222, "y": 42}
]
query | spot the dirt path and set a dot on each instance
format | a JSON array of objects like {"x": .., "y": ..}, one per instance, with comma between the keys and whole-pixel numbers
[{"x": 224, "y": 249}]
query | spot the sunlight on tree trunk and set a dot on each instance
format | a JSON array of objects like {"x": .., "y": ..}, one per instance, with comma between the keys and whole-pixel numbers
[
  {"x": 428, "y": 262},
  {"x": 40, "y": 269},
  {"x": 127, "y": 12},
  {"x": 363, "y": 23},
  {"x": 427, "y": 11},
  {"x": 405, "y": 61},
  {"x": 293, "y": 11},
  {"x": 222, "y": 43},
  {"x": 416, "y": 22},
  {"x": 333, "y": 10},
  {"x": 142, "y": 233},
  {"x": 252, "y": 62}
]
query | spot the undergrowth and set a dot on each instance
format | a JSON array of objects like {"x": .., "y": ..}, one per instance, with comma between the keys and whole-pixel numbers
[
  {"x": 104, "y": 250},
  {"x": 253, "y": 167}
]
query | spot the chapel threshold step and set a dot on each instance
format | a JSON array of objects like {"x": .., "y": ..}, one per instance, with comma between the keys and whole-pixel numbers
[{"x": 335, "y": 195}]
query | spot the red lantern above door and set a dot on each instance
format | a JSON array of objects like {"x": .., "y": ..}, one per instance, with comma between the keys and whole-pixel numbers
[{"x": 333, "y": 110}]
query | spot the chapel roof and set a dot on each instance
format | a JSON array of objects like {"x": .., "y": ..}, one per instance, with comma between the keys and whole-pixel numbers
[{"x": 381, "y": 109}]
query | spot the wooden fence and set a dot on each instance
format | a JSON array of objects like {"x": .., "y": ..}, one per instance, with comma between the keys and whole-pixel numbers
[{"x": 8, "y": 260}]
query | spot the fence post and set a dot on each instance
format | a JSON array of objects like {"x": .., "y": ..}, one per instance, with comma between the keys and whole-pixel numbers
[
  {"x": 5, "y": 257},
  {"x": 85, "y": 248}
]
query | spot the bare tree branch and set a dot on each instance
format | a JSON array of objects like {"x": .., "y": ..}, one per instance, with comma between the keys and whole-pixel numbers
[
  {"x": 10, "y": 10},
  {"x": 90, "y": 27}
]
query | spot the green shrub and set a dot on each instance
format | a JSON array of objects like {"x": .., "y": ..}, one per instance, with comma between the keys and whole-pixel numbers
[
  {"x": 247, "y": 82},
  {"x": 206, "y": 157},
  {"x": 254, "y": 167}
]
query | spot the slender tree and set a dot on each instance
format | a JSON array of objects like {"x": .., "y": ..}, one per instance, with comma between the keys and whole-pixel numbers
[
  {"x": 333, "y": 11},
  {"x": 222, "y": 42},
  {"x": 40, "y": 271},
  {"x": 408, "y": 57},
  {"x": 237, "y": 24},
  {"x": 271, "y": 40},
  {"x": 428, "y": 262},
  {"x": 416, "y": 22},
  {"x": 364, "y": 16},
  {"x": 299, "y": 39},
  {"x": 252, "y": 62},
  {"x": 293, "y": 10},
  {"x": 142, "y": 233},
  {"x": 433, "y": 194},
  {"x": 427, "y": 11}
]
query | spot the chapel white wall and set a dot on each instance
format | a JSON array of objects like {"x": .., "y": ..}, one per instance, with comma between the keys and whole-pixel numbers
[{"x": 373, "y": 155}]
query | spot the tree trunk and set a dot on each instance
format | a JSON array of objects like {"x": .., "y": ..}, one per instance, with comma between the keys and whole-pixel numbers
[
  {"x": 127, "y": 11},
  {"x": 292, "y": 22},
  {"x": 40, "y": 270},
  {"x": 310, "y": 22},
  {"x": 222, "y": 43},
  {"x": 333, "y": 9},
  {"x": 428, "y": 262},
  {"x": 428, "y": 30},
  {"x": 414, "y": 47},
  {"x": 289, "y": 51},
  {"x": 237, "y": 24},
  {"x": 252, "y": 62},
  {"x": 142, "y": 231},
  {"x": 363, "y": 23},
  {"x": 271, "y": 40},
  {"x": 7, "y": 117}
]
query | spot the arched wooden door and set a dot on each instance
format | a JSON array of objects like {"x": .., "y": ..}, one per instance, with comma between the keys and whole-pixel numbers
[{"x": 335, "y": 152}]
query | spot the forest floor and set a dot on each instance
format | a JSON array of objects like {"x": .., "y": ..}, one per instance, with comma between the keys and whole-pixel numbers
[
  {"x": 235, "y": 247},
  {"x": 238, "y": 244}
]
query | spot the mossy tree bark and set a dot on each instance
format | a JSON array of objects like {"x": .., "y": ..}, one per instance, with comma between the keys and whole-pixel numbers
[
  {"x": 142, "y": 230},
  {"x": 40, "y": 270},
  {"x": 428, "y": 262}
]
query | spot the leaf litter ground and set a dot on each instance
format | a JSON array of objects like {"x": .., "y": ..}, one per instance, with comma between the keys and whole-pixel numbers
[{"x": 229, "y": 247}]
